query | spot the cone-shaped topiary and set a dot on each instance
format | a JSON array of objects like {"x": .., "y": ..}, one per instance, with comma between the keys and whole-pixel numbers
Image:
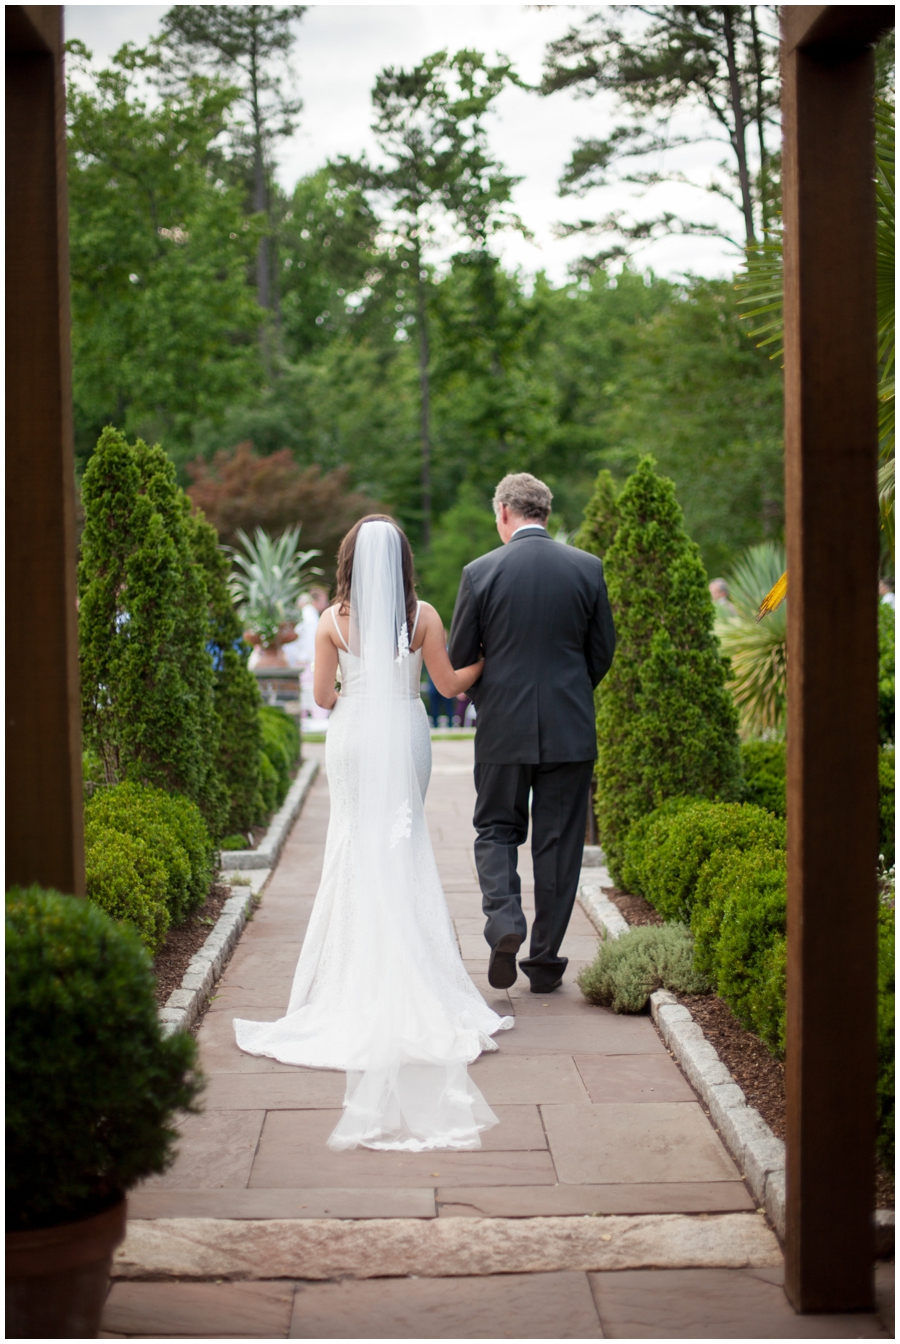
[
  {"x": 666, "y": 725},
  {"x": 601, "y": 518},
  {"x": 146, "y": 673},
  {"x": 237, "y": 700}
]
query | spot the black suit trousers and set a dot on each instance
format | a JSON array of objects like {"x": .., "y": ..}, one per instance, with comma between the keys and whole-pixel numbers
[{"x": 558, "y": 812}]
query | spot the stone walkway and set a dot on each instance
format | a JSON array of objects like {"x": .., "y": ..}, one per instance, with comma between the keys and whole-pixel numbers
[{"x": 595, "y": 1118}]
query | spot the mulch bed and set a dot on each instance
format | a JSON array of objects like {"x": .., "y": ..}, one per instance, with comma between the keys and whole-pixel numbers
[
  {"x": 181, "y": 943},
  {"x": 633, "y": 908},
  {"x": 759, "y": 1075}
]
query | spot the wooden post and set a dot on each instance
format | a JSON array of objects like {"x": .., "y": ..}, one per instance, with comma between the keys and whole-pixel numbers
[
  {"x": 44, "y": 841},
  {"x": 831, "y": 442}
]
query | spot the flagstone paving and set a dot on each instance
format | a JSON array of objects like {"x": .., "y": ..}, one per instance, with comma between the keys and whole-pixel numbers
[{"x": 595, "y": 1117}]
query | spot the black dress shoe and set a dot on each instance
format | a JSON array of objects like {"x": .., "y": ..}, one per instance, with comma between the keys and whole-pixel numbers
[
  {"x": 546, "y": 989},
  {"x": 502, "y": 966}
]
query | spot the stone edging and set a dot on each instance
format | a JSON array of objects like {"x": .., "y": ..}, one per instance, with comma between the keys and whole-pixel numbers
[
  {"x": 759, "y": 1155},
  {"x": 183, "y": 1006},
  {"x": 267, "y": 851},
  {"x": 335, "y": 1248}
]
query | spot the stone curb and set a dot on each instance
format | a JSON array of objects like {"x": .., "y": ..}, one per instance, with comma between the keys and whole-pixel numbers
[
  {"x": 183, "y": 1006},
  {"x": 267, "y": 851},
  {"x": 332, "y": 1248},
  {"x": 759, "y": 1155}
]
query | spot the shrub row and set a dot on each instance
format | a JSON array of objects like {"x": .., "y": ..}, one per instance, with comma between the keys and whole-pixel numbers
[
  {"x": 149, "y": 857},
  {"x": 281, "y": 749}
]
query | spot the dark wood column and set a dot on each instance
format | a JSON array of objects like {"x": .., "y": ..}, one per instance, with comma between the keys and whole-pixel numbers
[
  {"x": 831, "y": 442},
  {"x": 43, "y": 734}
]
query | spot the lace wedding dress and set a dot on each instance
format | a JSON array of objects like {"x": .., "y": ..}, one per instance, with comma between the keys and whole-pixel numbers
[{"x": 380, "y": 989}]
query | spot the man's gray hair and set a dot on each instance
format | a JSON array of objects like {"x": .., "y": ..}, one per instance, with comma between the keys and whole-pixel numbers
[{"x": 524, "y": 495}]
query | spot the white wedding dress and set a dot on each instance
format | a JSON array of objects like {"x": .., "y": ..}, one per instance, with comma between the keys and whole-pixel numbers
[{"x": 380, "y": 989}]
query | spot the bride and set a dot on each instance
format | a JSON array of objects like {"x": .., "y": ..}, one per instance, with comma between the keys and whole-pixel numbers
[{"x": 380, "y": 989}]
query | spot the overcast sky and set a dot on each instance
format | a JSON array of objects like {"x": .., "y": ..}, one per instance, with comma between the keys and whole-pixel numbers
[{"x": 340, "y": 50}]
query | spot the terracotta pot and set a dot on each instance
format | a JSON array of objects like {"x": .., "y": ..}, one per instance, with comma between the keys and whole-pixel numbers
[
  {"x": 274, "y": 655},
  {"x": 57, "y": 1277}
]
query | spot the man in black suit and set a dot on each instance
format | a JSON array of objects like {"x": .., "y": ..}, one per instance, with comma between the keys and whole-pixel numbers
[{"x": 540, "y": 613}]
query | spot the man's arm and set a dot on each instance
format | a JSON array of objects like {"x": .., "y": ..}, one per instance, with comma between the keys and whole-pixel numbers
[
  {"x": 601, "y": 636},
  {"x": 465, "y": 631}
]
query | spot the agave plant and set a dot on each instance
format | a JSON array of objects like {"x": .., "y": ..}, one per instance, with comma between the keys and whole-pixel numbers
[
  {"x": 269, "y": 580},
  {"x": 758, "y": 652}
]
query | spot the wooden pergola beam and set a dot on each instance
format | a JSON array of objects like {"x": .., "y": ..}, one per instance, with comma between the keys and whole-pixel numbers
[
  {"x": 44, "y": 841},
  {"x": 831, "y": 448}
]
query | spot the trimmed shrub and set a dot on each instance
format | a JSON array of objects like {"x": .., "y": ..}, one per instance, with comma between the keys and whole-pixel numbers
[
  {"x": 666, "y": 724},
  {"x": 235, "y": 841},
  {"x": 601, "y": 518},
  {"x": 886, "y": 805},
  {"x": 665, "y": 853},
  {"x": 174, "y": 830},
  {"x": 281, "y": 744},
  {"x": 629, "y": 968},
  {"x": 147, "y": 679},
  {"x": 738, "y": 920},
  {"x": 126, "y": 879},
  {"x": 91, "y": 1082},
  {"x": 764, "y": 776},
  {"x": 268, "y": 787},
  {"x": 886, "y": 1033},
  {"x": 886, "y": 682},
  {"x": 236, "y": 693}
]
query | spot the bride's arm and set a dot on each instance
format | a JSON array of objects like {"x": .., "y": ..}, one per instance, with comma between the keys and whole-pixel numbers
[
  {"x": 325, "y": 671},
  {"x": 434, "y": 651}
]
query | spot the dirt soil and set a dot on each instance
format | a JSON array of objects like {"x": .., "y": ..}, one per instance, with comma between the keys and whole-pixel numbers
[
  {"x": 182, "y": 942},
  {"x": 633, "y": 908}
]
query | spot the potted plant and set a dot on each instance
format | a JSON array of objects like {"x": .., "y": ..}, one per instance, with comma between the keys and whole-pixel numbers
[
  {"x": 267, "y": 587},
  {"x": 92, "y": 1086}
]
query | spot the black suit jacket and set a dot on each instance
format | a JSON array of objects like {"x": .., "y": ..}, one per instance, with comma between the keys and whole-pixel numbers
[{"x": 540, "y": 613}]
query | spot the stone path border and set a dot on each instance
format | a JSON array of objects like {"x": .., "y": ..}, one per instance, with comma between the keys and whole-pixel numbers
[
  {"x": 328, "y": 1248},
  {"x": 267, "y": 851},
  {"x": 759, "y": 1155}
]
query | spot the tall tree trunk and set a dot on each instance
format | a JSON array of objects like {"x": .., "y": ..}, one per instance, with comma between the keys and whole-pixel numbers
[
  {"x": 760, "y": 125},
  {"x": 740, "y": 123},
  {"x": 425, "y": 399}
]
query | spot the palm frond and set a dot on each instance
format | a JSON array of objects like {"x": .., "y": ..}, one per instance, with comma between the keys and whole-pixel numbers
[{"x": 757, "y": 653}]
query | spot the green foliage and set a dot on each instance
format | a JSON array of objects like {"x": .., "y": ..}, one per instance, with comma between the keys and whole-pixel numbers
[
  {"x": 666, "y": 725},
  {"x": 173, "y": 830},
  {"x": 764, "y": 776},
  {"x": 665, "y": 851},
  {"x": 281, "y": 746},
  {"x": 738, "y": 920},
  {"x": 463, "y": 533},
  {"x": 756, "y": 650},
  {"x": 236, "y": 841},
  {"x": 886, "y": 679},
  {"x": 235, "y": 689},
  {"x": 695, "y": 392},
  {"x": 886, "y": 805},
  {"x": 886, "y": 1102},
  {"x": 126, "y": 878},
  {"x": 148, "y": 707},
  {"x": 627, "y": 969},
  {"x": 163, "y": 323},
  {"x": 601, "y": 518},
  {"x": 269, "y": 784},
  {"x": 91, "y": 1083}
]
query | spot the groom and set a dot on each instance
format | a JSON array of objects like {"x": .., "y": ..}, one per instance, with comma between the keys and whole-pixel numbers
[{"x": 540, "y": 613}]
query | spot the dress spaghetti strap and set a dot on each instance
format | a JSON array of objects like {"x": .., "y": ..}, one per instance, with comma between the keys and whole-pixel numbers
[
  {"x": 338, "y": 629},
  {"x": 415, "y": 625}
]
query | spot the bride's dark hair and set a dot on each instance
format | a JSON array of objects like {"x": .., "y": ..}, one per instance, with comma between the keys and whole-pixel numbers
[{"x": 345, "y": 565}]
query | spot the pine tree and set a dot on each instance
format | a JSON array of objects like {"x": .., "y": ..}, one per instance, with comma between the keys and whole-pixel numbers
[
  {"x": 666, "y": 725},
  {"x": 601, "y": 518},
  {"x": 237, "y": 699},
  {"x": 146, "y": 675}
]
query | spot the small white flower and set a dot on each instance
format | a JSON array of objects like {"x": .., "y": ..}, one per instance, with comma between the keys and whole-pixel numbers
[{"x": 402, "y": 644}]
